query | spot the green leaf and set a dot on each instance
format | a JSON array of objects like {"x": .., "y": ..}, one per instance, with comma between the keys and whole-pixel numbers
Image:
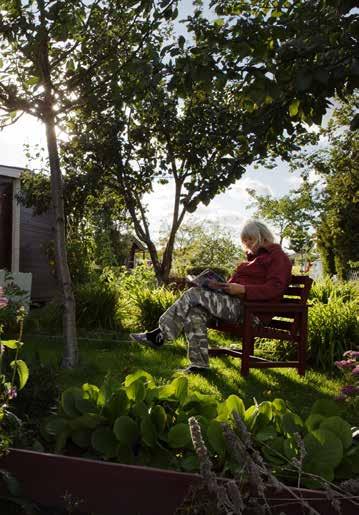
[
  {"x": 279, "y": 405},
  {"x": 180, "y": 385},
  {"x": 126, "y": 431},
  {"x": 216, "y": 438},
  {"x": 104, "y": 442},
  {"x": 325, "y": 407},
  {"x": 181, "y": 41},
  {"x": 313, "y": 421},
  {"x": 82, "y": 438},
  {"x": 139, "y": 374},
  {"x": 136, "y": 391},
  {"x": 159, "y": 418},
  {"x": 294, "y": 108},
  {"x": 235, "y": 404},
  {"x": 148, "y": 431},
  {"x": 68, "y": 401},
  {"x": 339, "y": 427},
  {"x": 22, "y": 371},
  {"x": 179, "y": 436},
  {"x": 303, "y": 81},
  {"x": 11, "y": 344},
  {"x": 323, "y": 447}
]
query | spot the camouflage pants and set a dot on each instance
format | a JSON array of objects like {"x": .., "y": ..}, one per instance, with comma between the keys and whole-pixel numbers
[{"x": 191, "y": 314}]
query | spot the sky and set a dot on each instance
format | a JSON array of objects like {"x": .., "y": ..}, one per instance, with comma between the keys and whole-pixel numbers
[{"x": 230, "y": 208}]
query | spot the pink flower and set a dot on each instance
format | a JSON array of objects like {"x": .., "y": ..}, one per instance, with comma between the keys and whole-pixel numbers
[
  {"x": 351, "y": 354},
  {"x": 350, "y": 390},
  {"x": 12, "y": 393},
  {"x": 4, "y": 301},
  {"x": 346, "y": 363},
  {"x": 355, "y": 371}
]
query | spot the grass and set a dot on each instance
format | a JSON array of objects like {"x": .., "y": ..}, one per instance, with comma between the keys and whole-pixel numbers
[{"x": 115, "y": 353}]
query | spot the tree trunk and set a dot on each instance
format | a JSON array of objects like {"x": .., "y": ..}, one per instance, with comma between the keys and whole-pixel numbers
[{"x": 70, "y": 358}]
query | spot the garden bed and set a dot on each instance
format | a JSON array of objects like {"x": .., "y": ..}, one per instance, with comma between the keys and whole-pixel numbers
[{"x": 102, "y": 488}]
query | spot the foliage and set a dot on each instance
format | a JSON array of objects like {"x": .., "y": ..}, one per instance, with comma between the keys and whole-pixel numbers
[
  {"x": 204, "y": 245},
  {"x": 333, "y": 327},
  {"x": 350, "y": 367},
  {"x": 14, "y": 374},
  {"x": 291, "y": 214},
  {"x": 252, "y": 489},
  {"x": 142, "y": 423},
  {"x": 96, "y": 304},
  {"x": 326, "y": 290},
  {"x": 283, "y": 68},
  {"x": 337, "y": 203}
]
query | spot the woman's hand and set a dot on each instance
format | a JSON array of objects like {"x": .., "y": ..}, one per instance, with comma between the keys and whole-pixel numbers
[{"x": 237, "y": 290}]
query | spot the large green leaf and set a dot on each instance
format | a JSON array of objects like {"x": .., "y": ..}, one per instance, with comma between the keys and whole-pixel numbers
[
  {"x": 159, "y": 417},
  {"x": 136, "y": 391},
  {"x": 325, "y": 407},
  {"x": 126, "y": 431},
  {"x": 235, "y": 404},
  {"x": 179, "y": 436},
  {"x": 339, "y": 427},
  {"x": 117, "y": 405},
  {"x": 22, "y": 371},
  {"x": 11, "y": 344},
  {"x": 323, "y": 448},
  {"x": 148, "y": 431},
  {"x": 142, "y": 375},
  {"x": 104, "y": 442},
  {"x": 313, "y": 421},
  {"x": 180, "y": 385},
  {"x": 68, "y": 401}
]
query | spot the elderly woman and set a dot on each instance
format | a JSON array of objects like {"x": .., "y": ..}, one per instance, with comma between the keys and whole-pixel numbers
[{"x": 264, "y": 276}]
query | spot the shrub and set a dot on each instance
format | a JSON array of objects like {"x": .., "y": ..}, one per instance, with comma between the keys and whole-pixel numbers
[
  {"x": 141, "y": 302},
  {"x": 145, "y": 306},
  {"x": 96, "y": 305},
  {"x": 333, "y": 327}
]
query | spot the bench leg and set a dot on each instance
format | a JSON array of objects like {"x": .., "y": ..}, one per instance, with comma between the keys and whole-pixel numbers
[
  {"x": 302, "y": 345},
  {"x": 247, "y": 351}
]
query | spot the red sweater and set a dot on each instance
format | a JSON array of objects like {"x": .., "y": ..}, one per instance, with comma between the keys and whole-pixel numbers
[{"x": 265, "y": 275}]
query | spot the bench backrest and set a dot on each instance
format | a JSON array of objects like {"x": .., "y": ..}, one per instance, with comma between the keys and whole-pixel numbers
[{"x": 298, "y": 290}]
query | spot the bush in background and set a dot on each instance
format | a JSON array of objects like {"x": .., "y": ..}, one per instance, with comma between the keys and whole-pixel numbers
[
  {"x": 333, "y": 327},
  {"x": 326, "y": 290}
]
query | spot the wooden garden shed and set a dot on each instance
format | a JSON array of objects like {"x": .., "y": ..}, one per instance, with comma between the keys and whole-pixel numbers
[{"x": 24, "y": 238}]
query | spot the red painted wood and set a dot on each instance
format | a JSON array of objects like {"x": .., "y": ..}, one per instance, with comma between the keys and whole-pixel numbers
[
  {"x": 293, "y": 329},
  {"x": 104, "y": 488},
  {"x": 115, "y": 489}
]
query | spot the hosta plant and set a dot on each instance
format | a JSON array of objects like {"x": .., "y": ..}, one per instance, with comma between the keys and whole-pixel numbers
[{"x": 139, "y": 422}]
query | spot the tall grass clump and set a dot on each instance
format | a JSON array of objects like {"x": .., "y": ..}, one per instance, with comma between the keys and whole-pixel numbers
[
  {"x": 327, "y": 290},
  {"x": 333, "y": 328},
  {"x": 96, "y": 305},
  {"x": 141, "y": 301}
]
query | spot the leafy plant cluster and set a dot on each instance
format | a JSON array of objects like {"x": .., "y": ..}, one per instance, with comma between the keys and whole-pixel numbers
[
  {"x": 333, "y": 322},
  {"x": 14, "y": 374},
  {"x": 140, "y": 422},
  {"x": 141, "y": 301}
]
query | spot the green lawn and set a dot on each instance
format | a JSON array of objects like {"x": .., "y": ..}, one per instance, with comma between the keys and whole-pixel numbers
[{"x": 114, "y": 353}]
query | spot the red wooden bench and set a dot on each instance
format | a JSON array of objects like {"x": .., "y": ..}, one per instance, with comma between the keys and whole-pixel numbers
[{"x": 288, "y": 321}]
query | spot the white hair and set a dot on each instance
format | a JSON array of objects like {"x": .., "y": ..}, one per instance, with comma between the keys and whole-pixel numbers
[{"x": 257, "y": 231}]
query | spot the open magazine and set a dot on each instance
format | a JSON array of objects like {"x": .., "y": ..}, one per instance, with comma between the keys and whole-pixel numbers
[{"x": 203, "y": 280}]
